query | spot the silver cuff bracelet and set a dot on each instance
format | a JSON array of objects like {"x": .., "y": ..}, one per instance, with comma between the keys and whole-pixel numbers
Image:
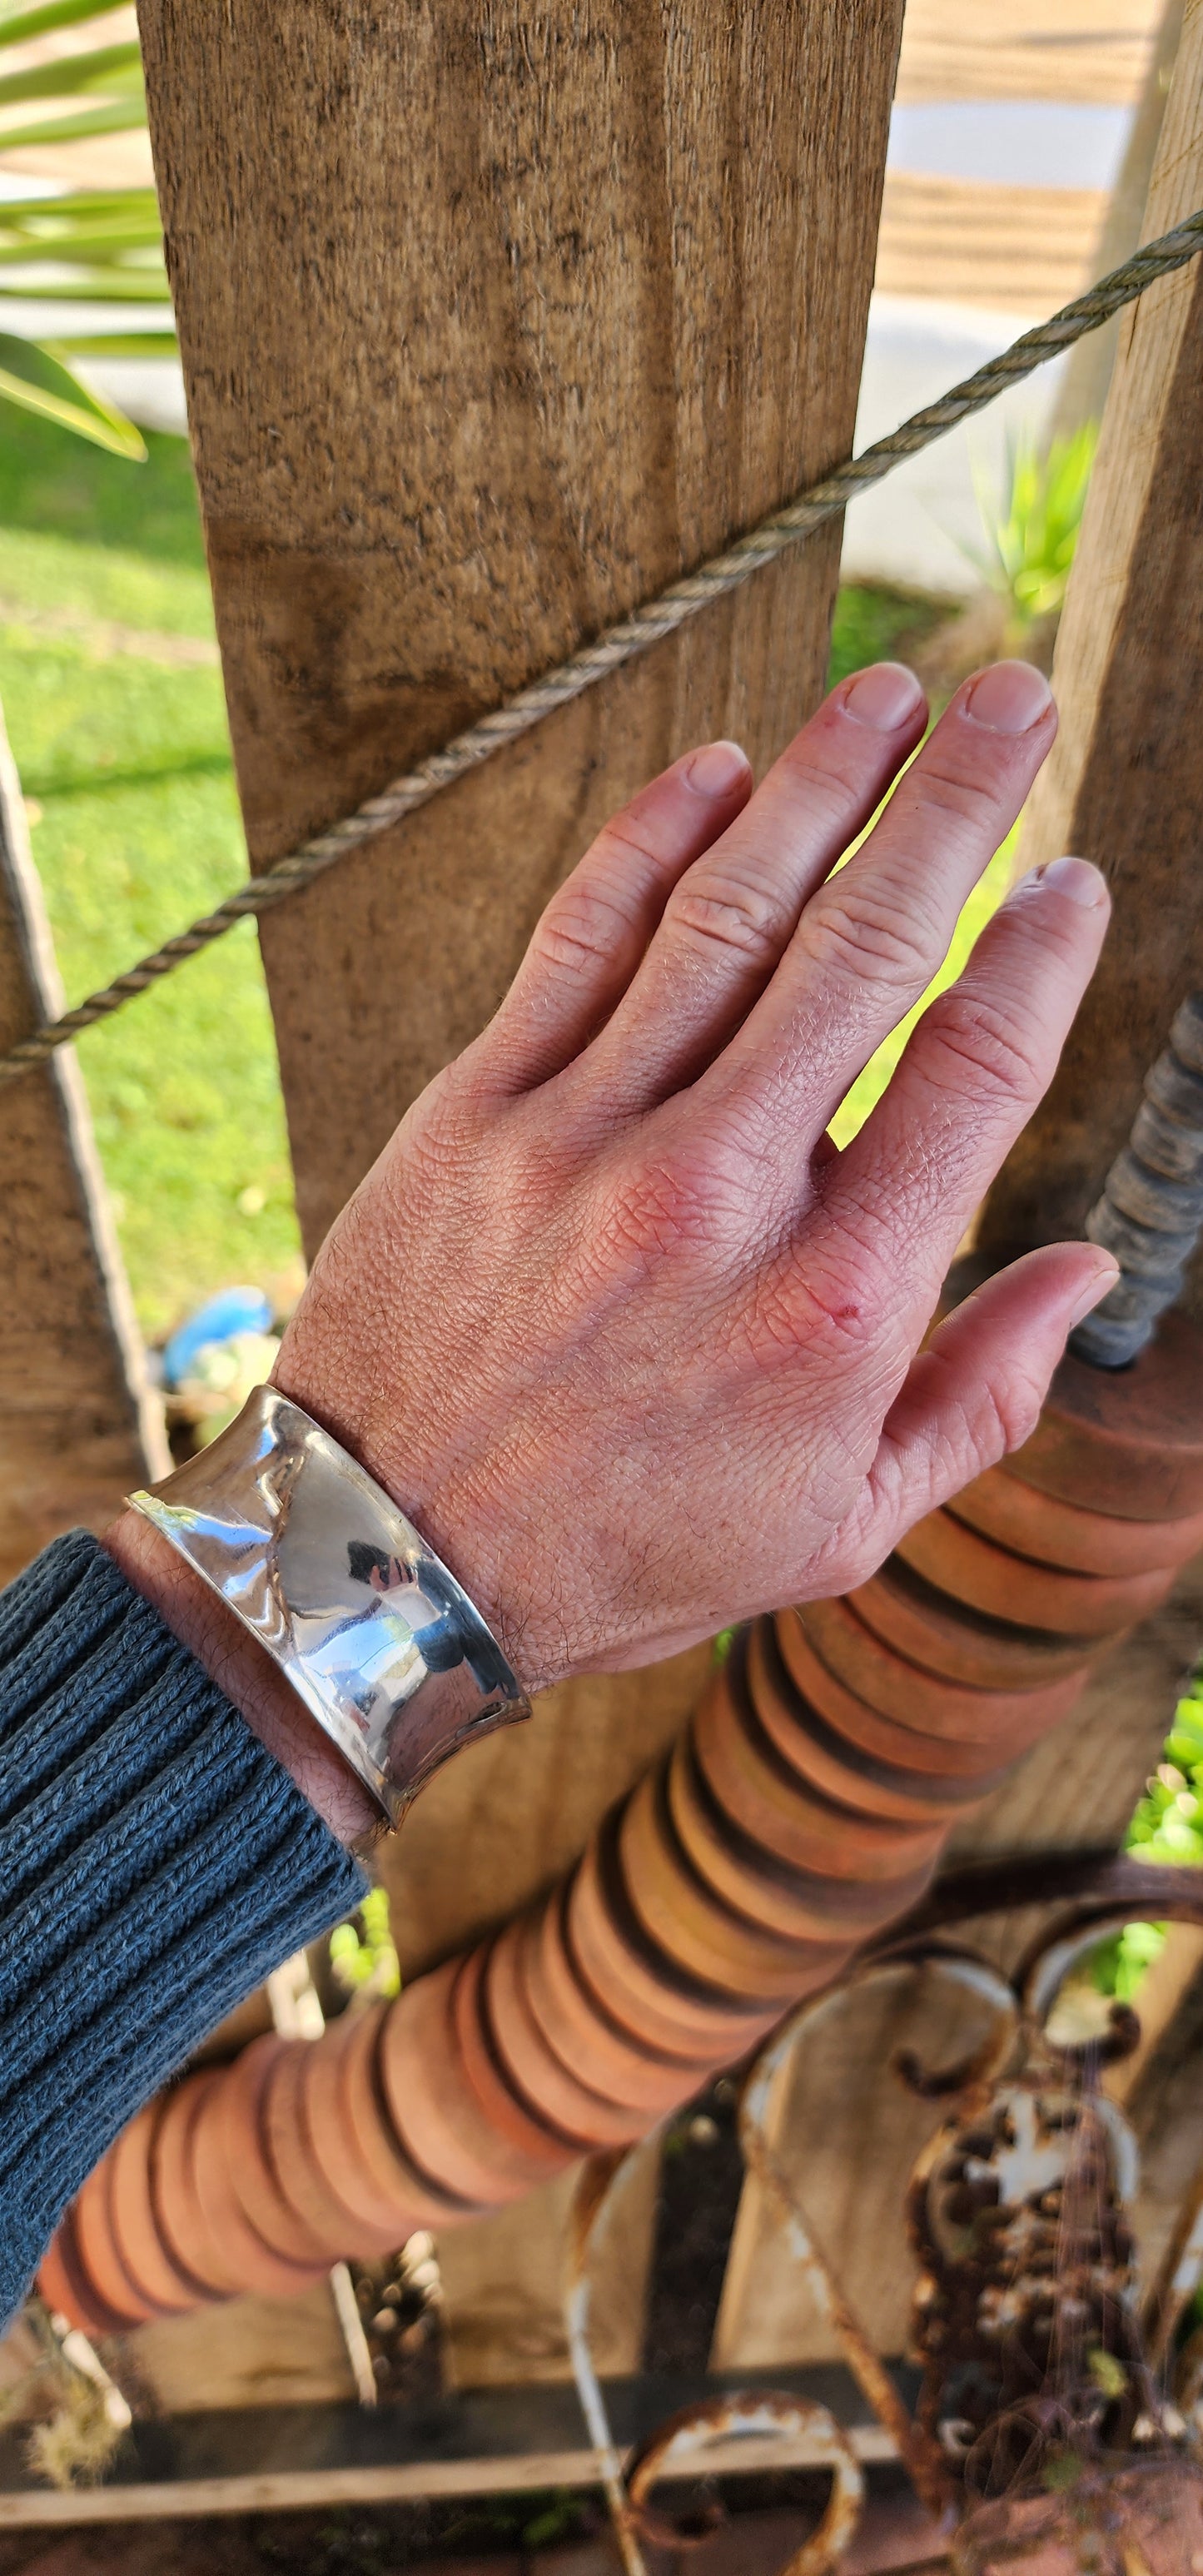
[{"x": 374, "y": 1634}]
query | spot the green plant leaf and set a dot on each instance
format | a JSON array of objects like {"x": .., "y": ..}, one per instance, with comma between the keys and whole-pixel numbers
[
  {"x": 119, "y": 250},
  {"x": 118, "y": 344},
  {"x": 103, "y": 67},
  {"x": 27, "y": 234},
  {"x": 1032, "y": 533},
  {"x": 18, "y": 25},
  {"x": 91, "y": 286},
  {"x": 34, "y": 377},
  {"x": 77, "y": 204},
  {"x": 117, "y": 118}
]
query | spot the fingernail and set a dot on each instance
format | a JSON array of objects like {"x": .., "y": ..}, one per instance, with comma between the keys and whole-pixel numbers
[
  {"x": 717, "y": 768},
  {"x": 1009, "y": 698},
  {"x": 883, "y": 697},
  {"x": 1100, "y": 1286},
  {"x": 1076, "y": 879}
]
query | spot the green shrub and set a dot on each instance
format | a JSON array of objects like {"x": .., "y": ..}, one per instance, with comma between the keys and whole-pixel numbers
[{"x": 1032, "y": 535}]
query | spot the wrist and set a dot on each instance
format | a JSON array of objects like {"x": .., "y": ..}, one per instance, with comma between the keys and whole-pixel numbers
[
  {"x": 245, "y": 1672},
  {"x": 422, "y": 1467}
]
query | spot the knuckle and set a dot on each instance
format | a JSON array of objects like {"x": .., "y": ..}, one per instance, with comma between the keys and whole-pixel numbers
[
  {"x": 621, "y": 839},
  {"x": 729, "y": 915},
  {"x": 984, "y": 1422},
  {"x": 835, "y": 1303},
  {"x": 651, "y": 1213},
  {"x": 978, "y": 1038},
  {"x": 860, "y": 928},
  {"x": 1004, "y": 1414},
  {"x": 956, "y": 793},
  {"x": 445, "y": 1120},
  {"x": 829, "y": 789},
  {"x": 1016, "y": 1407},
  {"x": 438, "y": 1153},
  {"x": 579, "y": 932}
]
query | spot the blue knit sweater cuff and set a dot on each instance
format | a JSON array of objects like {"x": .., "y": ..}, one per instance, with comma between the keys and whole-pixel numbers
[{"x": 155, "y": 1864}]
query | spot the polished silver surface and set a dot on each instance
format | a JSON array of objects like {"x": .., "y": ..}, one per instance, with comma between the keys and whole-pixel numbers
[{"x": 375, "y": 1635}]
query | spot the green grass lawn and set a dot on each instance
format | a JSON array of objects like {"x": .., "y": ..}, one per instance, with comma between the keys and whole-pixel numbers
[
  {"x": 113, "y": 699},
  {"x": 138, "y": 832}
]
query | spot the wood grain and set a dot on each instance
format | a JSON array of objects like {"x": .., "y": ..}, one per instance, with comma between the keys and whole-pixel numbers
[
  {"x": 77, "y": 1422},
  {"x": 1085, "y": 382},
  {"x": 1124, "y": 783},
  {"x": 847, "y": 2130},
  {"x": 504, "y": 2282},
  {"x": 493, "y": 321},
  {"x": 250, "y": 2352}
]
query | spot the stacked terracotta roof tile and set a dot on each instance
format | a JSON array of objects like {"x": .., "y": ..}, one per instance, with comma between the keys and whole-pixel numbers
[{"x": 803, "y": 1807}]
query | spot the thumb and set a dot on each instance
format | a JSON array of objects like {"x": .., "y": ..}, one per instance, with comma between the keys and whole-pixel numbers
[{"x": 976, "y": 1391}]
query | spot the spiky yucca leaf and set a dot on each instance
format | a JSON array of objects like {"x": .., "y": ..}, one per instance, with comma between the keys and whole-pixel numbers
[
  {"x": 1033, "y": 532},
  {"x": 18, "y": 25},
  {"x": 97, "y": 246},
  {"x": 35, "y": 376}
]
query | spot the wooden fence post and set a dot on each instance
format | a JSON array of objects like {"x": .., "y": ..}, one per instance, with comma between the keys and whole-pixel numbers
[
  {"x": 1124, "y": 784},
  {"x": 78, "y": 1425},
  {"x": 493, "y": 319},
  {"x": 1082, "y": 394}
]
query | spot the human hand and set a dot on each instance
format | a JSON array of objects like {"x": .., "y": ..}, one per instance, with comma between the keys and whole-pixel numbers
[{"x": 610, "y": 1318}]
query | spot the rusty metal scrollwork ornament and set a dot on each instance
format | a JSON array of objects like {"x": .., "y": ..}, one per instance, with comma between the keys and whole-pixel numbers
[
  {"x": 1037, "y": 2381},
  {"x": 1040, "y": 2431}
]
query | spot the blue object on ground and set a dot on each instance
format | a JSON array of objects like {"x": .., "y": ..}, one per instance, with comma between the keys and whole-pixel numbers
[{"x": 232, "y": 1310}]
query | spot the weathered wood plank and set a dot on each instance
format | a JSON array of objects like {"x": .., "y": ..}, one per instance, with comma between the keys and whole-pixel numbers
[
  {"x": 454, "y": 406},
  {"x": 279, "y": 2488},
  {"x": 504, "y": 2281},
  {"x": 251, "y": 2352},
  {"x": 457, "y": 403},
  {"x": 1082, "y": 392},
  {"x": 78, "y": 1424},
  {"x": 1124, "y": 783}
]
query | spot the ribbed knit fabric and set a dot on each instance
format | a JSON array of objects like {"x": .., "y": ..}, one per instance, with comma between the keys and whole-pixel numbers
[{"x": 155, "y": 1863}]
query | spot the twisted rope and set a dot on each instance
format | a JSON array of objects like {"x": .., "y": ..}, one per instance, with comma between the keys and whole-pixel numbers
[{"x": 658, "y": 617}]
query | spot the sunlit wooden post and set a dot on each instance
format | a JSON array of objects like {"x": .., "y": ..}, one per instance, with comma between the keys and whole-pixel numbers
[
  {"x": 78, "y": 1426},
  {"x": 491, "y": 323}
]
